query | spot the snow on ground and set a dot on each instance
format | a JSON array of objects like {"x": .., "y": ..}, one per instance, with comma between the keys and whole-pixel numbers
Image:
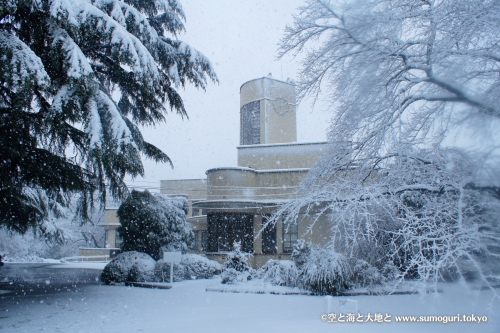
[
  {"x": 256, "y": 287},
  {"x": 187, "y": 307}
]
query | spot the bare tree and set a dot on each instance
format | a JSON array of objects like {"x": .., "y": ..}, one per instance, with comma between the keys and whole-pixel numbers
[
  {"x": 395, "y": 69},
  {"x": 396, "y": 73}
]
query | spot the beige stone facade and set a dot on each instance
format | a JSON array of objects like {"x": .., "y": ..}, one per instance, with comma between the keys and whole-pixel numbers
[
  {"x": 112, "y": 238},
  {"x": 110, "y": 225},
  {"x": 192, "y": 189}
]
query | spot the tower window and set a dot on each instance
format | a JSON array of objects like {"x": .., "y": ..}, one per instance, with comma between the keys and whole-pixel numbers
[{"x": 250, "y": 123}]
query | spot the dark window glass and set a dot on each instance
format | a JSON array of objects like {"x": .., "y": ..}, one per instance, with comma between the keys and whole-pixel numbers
[
  {"x": 269, "y": 245},
  {"x": 226, "y": 228},
  {"x": 225, "y": 234},
  {"x": 212, "y": 232},
  {"x": 204, "y": 239},
  {"x": 250, "y": 123}
]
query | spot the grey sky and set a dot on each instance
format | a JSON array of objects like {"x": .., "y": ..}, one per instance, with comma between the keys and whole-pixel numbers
[{"x": 240, "y": 38}]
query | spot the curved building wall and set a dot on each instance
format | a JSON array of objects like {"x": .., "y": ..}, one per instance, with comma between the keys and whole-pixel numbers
[
  {"x": 280, "y": 156},
  {"x": 248, "y": 184},
  {"x": 269, "y": 103}
]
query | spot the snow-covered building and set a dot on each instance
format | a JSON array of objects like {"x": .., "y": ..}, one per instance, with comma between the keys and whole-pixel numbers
[
  {"x": 233, "y": 203},
  {"x": 112, "y": 239}
]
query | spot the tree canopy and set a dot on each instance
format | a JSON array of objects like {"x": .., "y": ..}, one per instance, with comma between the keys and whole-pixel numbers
[
  {"x": 77, "y": 80},
  {"x": 150, "y": 222},
  {"x": 397, "y": 71},
  {"x": 398, "y": 75}
]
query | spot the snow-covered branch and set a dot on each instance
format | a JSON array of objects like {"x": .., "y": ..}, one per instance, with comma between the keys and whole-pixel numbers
[
  {"x": 385, "y": 57},
  {"x": 61, "y": 64}
]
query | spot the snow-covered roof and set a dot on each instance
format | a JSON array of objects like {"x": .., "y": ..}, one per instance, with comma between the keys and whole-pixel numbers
[
  {"x": 269, "y": 78},
  {"x": 237, "y": 203},
  {"x": 257, "y": 171},
  {"x": 281, "y": 144}
]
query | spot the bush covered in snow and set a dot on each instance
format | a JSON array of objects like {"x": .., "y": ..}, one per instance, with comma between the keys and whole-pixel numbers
[
  {"x": 322, "y": 271},
  {"x": 192, "y": 266},
  {"x": 162, "y": 271},
  {"x": 365, "y": 275},
  {"x": 236, "y": 268},
  {"x": 129, "y": 266},
  {"x": 279, "y": 273},
  {"x": 390, "y": 272},
  {"x": 200, "y": 267}
]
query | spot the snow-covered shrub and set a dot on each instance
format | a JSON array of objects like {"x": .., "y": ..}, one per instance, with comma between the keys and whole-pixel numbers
[
  {"x": 322, "y": 271},
  {"x": 129, "y": 266},
  {"x": 192, "y": 266},
  {"x": 139, "y": 273},
  {"x": 232, "y": 276},
  {"x": 200, "y": 267},
  {"x": 236, "y": 268},
  {"x": 390, "y": 272},
  {"x": 300, "y": 252},
  {"x": 162, "y": 271},
  {"x": 279, "y": 273},
  {"x": 365, "y": 275}
]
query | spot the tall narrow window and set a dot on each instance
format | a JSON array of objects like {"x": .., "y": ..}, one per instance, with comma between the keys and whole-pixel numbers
[
  {"x": 269, "y": 245},
  {"x": 250, "y": 123},
  {"x": 290, "y": 235},
  {"x": 204, "y": 240},
  {"x": 118, "y": 240},
  {"x": 212, "y": 231}
]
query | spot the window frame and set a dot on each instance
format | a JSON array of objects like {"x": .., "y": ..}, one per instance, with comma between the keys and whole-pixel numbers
[{"x": 292, "y": 231}]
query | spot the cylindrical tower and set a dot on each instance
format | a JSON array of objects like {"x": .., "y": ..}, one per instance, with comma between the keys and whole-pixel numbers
[{"x": 267, "y": 112}]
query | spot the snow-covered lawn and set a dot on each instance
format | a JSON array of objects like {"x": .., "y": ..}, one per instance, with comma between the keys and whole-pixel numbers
[{"x": 187, "y": 307}]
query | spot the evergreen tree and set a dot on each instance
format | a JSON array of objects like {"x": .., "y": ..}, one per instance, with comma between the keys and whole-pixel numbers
[
  {"x": 149, "y": 223},
  {"x": 77, "y": 79},
  {"x": 236, "y": 268}
]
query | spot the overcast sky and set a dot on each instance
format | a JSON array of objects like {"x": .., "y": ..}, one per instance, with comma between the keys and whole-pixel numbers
[{"x": 240, "y": 38}]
